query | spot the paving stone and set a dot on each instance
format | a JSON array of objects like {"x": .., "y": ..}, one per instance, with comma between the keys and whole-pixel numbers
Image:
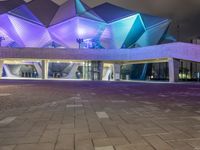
[
  {"x": 196, "y": 117},
  {"x": 180, "y": 145},
  {"x": 102, "y": 142},
  {"x": 158, "y": 143},
  {"x": 84, "y": 145},
  {"x": 104, "y": 148},
  {"x": 5, "y": 94},
  {"x": 74, "y": 105},
  {"x": 40, "y": 146},
  {"x": 65, "y": 142},
  {"x": 134, "y": 147},
  {"x": 102, "y": 115},
  {"x": 21, "y": 140},
  {"x": 118, "y": 101},
  {"x": 194, "y": 143},
  {"x": 174, "y": 136},
  {"x": 7, "y": 120},
  {"x": 9, "y": 147},
  {"x": 49, "y": 136},
  {"x": 118, "y": 141}
]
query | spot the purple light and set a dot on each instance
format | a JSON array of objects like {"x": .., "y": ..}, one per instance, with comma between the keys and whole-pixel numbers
[
  {"x": 31, "y": 34},
  {"x": 69, "y": 31},
  {"x": 81, "y": 32}
]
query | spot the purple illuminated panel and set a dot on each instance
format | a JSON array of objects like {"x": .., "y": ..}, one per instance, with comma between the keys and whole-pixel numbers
[
  {"x": 5, "y": 39},
  {"x": 68, "y": 32},
  {"x": 8, "y": 30},
  {"x": 31, "y": 34}
]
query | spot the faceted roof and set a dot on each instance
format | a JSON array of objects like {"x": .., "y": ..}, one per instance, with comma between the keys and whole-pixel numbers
[
  {"x": 48, "y": 13},
  {"x": 109, "y": 12},
  {"x": 39, "y": 23}
]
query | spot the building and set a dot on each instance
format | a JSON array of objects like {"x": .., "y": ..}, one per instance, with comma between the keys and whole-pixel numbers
[{"x": 73, "y": 41}]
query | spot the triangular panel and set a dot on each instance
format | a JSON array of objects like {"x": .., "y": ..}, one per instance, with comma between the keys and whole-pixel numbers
[
  {"x": 24, "y": 13},
  {"x": 65, "y": 33},
  {"x": 44, "y": 10},
  {"x": 115, "y": 34},
  {"x": 91, "y": 15},
  {"x": 81, "y": 7},
  {"x": 9, "y": 29},
  {"x": 110, "y": 13},
  {"x": 31, "y": 34},
  {"x": 69, "y": 31},
  {"x": 65, "y": 12},
  {"x": 136, "y": 31},
  {"x": 150, "y": 21},
  {"x": 5, "y": 39},
  {"x": 8, "y": 5},
  {"x": 68, "y": 10},
  {"x": 153, "y": 35}
]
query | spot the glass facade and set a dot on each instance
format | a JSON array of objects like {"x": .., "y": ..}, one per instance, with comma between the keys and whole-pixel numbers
[
  {"x": 150, "y": 71},
  {"x": 92, "y": 70},
  {"x": 189, "y": 71},
  {"x": 88, "y": 70},
  {"x": 71, "y": 70},
  {"x": 98, "y": 70}
]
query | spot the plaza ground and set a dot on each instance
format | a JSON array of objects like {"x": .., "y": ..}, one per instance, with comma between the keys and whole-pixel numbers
[{"x": 84, "y": 115}]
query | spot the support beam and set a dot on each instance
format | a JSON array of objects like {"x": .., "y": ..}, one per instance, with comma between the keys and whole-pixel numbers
[
  {"x": 45, "y": 68},
  {"x": 173, "y": 66},
  {"x": 117, "y": 69},
  {"x": 1, "y": 68}
]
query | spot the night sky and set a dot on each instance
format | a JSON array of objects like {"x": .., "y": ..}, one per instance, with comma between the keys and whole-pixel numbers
[{"x": 183, "y": 13}]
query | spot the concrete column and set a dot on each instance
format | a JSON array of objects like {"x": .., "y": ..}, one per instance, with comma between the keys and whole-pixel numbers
[
  {"x": 45, "y": 68},
  {"x": 173, "y": 66},
  {"x": 100, "y": 70},
  {"x": 116, "y": 72},
  {"x": 1, "y": 68}
]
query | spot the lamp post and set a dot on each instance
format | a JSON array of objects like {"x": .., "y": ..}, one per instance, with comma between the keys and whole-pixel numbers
[
  {"x": 79, "y": 41},
  {"x": 1, "y": 39}
]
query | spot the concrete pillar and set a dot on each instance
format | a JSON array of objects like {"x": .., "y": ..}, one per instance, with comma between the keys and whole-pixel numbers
[
  {"x": 45, "y": 68},
  {"x": 173, "y": 66},
  {"x": 1, "y": 68},
  {"x": 116, "y": 72},
  {"x": 100, "y": 70}
]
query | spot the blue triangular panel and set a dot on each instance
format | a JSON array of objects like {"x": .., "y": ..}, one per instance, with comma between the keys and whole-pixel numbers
[
  {"x": 151, "y": 21},
  {"x": 115, "y": 34},
  {"x": 80, "y": 7},
  {"x": 153, "y": 35},
  {"x": 136, "y": 31}
]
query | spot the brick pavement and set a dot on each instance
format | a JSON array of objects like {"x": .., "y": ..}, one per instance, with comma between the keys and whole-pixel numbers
[{"x": 52, "y": 115}]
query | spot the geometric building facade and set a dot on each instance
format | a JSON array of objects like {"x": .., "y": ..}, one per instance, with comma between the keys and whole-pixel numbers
[
  {"x": 74, "y": 29},
  {"x": 104, "y": 26}
]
